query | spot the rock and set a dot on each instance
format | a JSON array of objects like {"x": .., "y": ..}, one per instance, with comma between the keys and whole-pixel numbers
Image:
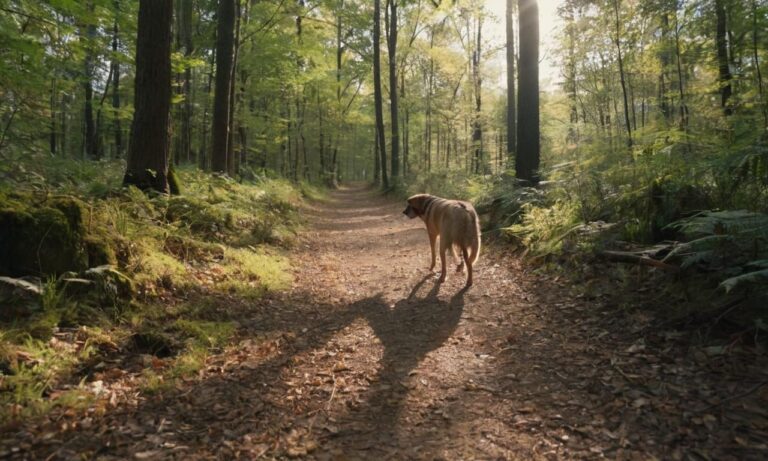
[
  {"x": 75, "y": 287},
  {"x": 112, "y": 285},
  {"x": 41, "y": 239},
  {"x": 19, "y": 298}
]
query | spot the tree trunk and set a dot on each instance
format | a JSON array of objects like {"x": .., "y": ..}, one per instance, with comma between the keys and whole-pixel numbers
[
  {"x": 148, "y": 154},
  {"x": 511, "y": 103},
  {"x": 381, "y": 144},
  {"x": 118, "y": 131},
  {"x": 184, "y": 22},
  {"x": 204, "y": 161},
  {"x": 758, "y": 74},
  {"x": 52, "y": 134},
  {"x": 91, "y": 144},
  {"x": 664, "y": 59},
  {"x": 477, "y": 125},
  {"x": 527, "y": 160},
  {"x": 393, "y": 107},
  {"x": 225, "y": 48},
  {"x": 724, "y": 71},
  {"x": 232, "y": 165},
  {"x": 622, "y": 76}
]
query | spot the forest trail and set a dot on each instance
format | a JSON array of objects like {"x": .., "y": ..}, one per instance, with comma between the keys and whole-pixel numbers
[{"x": 367, "y": 357}]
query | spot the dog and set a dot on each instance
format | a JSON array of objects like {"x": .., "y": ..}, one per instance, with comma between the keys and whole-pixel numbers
[{"x": 455, "y": 222}]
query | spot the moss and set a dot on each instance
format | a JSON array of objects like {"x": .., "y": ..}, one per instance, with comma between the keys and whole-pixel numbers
[
  {"x": 174, "y": 185},
  {"x": 41, "y": 240},
  {"x": 100, "y": 251}
]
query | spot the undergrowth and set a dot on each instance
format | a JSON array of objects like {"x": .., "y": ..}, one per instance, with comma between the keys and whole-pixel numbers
[
  {"x": 694, "y": 201},
  {"x": 184, "y": 257}
]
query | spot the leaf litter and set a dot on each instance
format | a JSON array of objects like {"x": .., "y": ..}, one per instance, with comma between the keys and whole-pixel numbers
[{"x": 359, "y": 362}]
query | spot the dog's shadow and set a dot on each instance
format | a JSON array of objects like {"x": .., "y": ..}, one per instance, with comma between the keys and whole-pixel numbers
[{"x": 408, "y": 331}]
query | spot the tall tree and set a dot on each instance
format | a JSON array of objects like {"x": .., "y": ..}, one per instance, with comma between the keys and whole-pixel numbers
[
  {"x": 148, "y": 154},
  {"x": 477, "y": 83},
  {"x": 511, "y": 102},
  {"x": 622, "y": 74},
  {"x": 118, "y": 131},
  {"x": 185, "y": 42},
  {"x": 225, "y": 49},
  {"x": 527, "y": 160},
  {"x": 393, "y": 102},
  {"x": 377, "y": 95},
  {"x": 89, "y": 33},
  {"x": 723, "y": 65}
]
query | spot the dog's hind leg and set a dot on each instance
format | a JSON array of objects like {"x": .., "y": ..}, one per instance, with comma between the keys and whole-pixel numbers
[
  {"x": 468, "y": 261},
  {"x": 432, "y": 243},
  {"x": 460, "y": 265},
  {"x": 443, "y": 248}
]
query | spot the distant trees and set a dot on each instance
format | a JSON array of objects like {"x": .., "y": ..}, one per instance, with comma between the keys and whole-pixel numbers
[
  {"x": 302, "y": 87},
  {"x": 148, "y": 154}
]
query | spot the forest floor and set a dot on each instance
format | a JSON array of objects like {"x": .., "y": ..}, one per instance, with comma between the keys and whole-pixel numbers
[{"x": 367, "y": 357}]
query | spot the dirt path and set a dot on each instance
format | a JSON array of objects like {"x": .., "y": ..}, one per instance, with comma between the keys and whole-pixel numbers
[{"x": 368, "y": 358}]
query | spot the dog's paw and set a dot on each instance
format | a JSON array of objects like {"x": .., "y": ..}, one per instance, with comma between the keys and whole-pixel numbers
[{"x": 441, "y": 279}]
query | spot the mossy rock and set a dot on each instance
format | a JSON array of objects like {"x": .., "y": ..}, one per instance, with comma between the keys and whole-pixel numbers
[
  {"x": 100, "y": 251},
  {"x": 42, "y": 240},
  {"x": 19, "y": 298},
  {"x": 111, "y": 285}
]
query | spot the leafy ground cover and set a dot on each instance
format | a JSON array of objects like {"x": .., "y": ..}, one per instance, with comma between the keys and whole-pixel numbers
[{"x": 111, "y": 282}]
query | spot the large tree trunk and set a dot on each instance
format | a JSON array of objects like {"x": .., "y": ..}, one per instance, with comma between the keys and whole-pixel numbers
[
  {"x": 527, "y": 160},
  {"x": 724, "y": 71},
  {"x": 511, "y": 102},
  {"x": 225, "y": 48},
  {"x": 393, "y": 107},
  {"x": 377, "y": 95},
  {"x": 148, "y": 155}
]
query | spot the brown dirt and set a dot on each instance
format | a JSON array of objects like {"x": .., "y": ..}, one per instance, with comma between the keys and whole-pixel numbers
[{"x": 367, "y": 357}]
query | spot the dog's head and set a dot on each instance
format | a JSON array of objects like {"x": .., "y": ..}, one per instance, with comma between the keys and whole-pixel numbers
[{"x": 416, "y": 205}]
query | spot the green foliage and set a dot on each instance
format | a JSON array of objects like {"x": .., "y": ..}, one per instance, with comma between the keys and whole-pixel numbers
[{"x": 731, "y": 244}]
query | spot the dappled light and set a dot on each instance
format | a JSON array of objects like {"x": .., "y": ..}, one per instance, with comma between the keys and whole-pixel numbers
[{"x": 383, "y": 230}]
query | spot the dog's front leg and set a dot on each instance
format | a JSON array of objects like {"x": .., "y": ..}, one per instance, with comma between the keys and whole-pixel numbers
[{"x": 432, "y": 244}]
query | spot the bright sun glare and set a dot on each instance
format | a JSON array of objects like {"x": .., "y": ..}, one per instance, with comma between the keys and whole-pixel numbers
[{"x": 549, "y": 25}]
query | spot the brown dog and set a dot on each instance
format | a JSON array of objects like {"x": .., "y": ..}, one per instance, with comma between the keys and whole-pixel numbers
[{"x": 457, "y": 225}]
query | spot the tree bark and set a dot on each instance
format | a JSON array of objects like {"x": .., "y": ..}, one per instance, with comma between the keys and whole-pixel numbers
[
  {"x": 118, "y": 130},
  {"x": 148, "y": 154},
  {"x": 184, "y": 21},
  {"x": 377, "y": 95},
  {"x": 91, "y": 143},
  {"x": 225, "y": 48},
  {"x": 528, "y": 143},
  {"x": 477, "y": 79},
  {"x": 232, "y": 165},
  {"x": 724, "y": 71},
  {"x": 622, "y": 75},
  {"x": 393, "y": 99},
  {"x": 511, "y": 102}
]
